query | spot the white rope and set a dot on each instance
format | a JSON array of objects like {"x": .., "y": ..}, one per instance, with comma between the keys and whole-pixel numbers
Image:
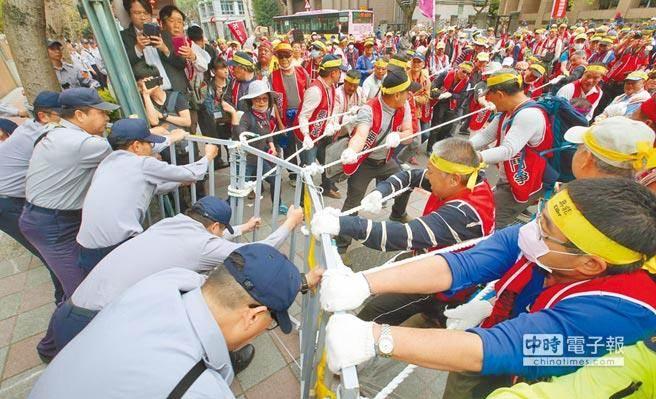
[
  {"x": 350, "y": 111},
  {"x": 384, "y": 199},
  {"x": 385, "y": 145}
]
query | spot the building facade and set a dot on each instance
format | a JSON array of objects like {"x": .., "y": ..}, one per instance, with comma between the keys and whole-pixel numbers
[
  {"x": 537, "y": 12},
  {"x": 215, "y": 14}
]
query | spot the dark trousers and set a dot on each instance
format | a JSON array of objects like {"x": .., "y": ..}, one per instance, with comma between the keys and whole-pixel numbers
[
  {"x": 53, "y": 232},
  {"x": 10, "y": 210},
  {"x": 468, "y": 385},
  {"x": 507, "y": 209},
  {"x": 90, "y": 257},
  {"x": 441, "y": 114},
  {"x": 394, "y": 309},
  {"x": 67, "y": 322},
  {"x": 356, "y": 188},
  {"x": 611, "y": 90}
]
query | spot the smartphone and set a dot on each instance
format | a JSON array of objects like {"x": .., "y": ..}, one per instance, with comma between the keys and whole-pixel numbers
[
  {"x": 151, "y": 29},
  {"x": 154, "y": 82},
  {"x": 179, "y": 42}
]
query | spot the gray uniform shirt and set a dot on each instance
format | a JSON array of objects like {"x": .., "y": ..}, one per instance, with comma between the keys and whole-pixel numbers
[
  {"x": 15, "y": 154},
  {"x": 142, "y": 345},
  {"x": 121, "y": 191},
  {"x": 365, "y": 117},
  {"x": 62, "y": 167},
  {"x": 173, "y": 242},
  {"x": 70, "y": 76}
]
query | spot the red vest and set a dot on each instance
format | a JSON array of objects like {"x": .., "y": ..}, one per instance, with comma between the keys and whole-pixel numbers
[
  {"x": 637, "y": 287},
  {"x": 451, "y": 86},
  {"x": 525, "y": 170},
  {"x": 278, "y": 86},
  {"x": 323, "y": 110},
  {"x": 370, "y": 142},
  {"x": 426, "y": 109},
  {"x": 312, "y": 69},
  {"x": 477, "y": 122},
  {"x": 529, "y": 88},
  {"x": 578, "y": 92},
  {"x": 481, "y": 200}
]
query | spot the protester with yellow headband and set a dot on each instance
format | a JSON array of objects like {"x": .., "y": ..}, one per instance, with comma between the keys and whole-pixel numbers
[
  {"x": 349, "y": 95},
  {"x": 460, "y": 207},
  {"x": 587, "y": 87},
  {"x": 365, "y": 63},
  {"x": 518, "y": 134},
  {"x": 634, "y": 95},
  {"x": 243, "y": 73},
  {"x": 371, "y": 84},
  {"x": 580, "y": 269},
  {"x": 615, "y": 147}
]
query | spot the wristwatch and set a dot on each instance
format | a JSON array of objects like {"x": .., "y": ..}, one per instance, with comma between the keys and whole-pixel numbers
[
  {"x": 385, "y": 341},
  {"x": 304, "y": 284},
  {"x": 164, "y": 115}
]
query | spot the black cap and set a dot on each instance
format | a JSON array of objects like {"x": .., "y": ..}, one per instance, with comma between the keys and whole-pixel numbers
[
  {"x": 394, "y": 77},
  {"x": 133, "y": 129},
  {"x": 51, "y": 43},
  {"x": 7, "y": 126},
  {"x": 241, "y": 58},
  {"x": 47, "y": 99},
  {"x": 269, "y": 277},
  {"x": 84, "y": 97},
  {"x": 215, "y": 209}
]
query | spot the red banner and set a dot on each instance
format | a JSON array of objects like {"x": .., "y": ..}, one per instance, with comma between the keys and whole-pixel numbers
[
  {"x": 559, "y": 9},
  {"x": 238, "y": 30}
]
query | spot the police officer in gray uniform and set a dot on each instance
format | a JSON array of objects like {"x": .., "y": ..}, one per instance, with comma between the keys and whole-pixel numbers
[
  {"x": 169, "y": 335},
  {"x": 15, "y": 154},
  {"x": 194, "y": 241},
  {"x": 60, "y": 172},
  {"x": 69, "y": 75},
  {"x": 123, "y": 187}
]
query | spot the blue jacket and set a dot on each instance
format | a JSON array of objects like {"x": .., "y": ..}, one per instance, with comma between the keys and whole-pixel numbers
[{"x": 365, "y": 65}]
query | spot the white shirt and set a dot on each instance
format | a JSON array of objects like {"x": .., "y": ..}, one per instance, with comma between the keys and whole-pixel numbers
[
  {"x": 120, "y": 194},
  {"x": 311, "y": 100},
  {"x": 567, "y": 92},
  {"x": 62, "y": 167},
  {"x": 15, "y": 154},
  {"x": 178, "y": 241},
  {"x": 371, "y": 86}
]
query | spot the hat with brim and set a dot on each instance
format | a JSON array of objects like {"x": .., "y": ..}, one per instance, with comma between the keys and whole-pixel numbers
[
  {"x": 283, "y": 47},
  {"x": 242, "y": 59},
  {"x": 216, "y": 210},
  {"x": 331, "y": 61},
  {"x": 133, "y": 129},
  {"x": 256, "y": 89},
  {"x": 84, "y": 97},
  {"x": 414, "y": 86},
  {"x": 53, "y": 43},
  {"x": 637, "y": 75}
]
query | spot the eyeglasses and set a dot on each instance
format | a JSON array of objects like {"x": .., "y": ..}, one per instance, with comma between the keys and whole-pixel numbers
[
  {"x": 140, "y": 13},
  {"x": 261, "y": 99},
  {"x": 284, "y": 56},
  {"x": 274, "y": 319},
  {"x": 543, "y": 236}
]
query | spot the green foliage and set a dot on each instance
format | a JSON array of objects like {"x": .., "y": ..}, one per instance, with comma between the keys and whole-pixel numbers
[
  {"x": 106, "y": 95},
  {"x": 2, "y": 15},
  {"x": 493, "y": 8},
  {"x": 265, "y": 10}
]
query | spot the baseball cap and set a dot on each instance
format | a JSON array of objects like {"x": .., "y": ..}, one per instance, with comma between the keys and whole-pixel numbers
[
  {"x": 332, "y": 61},
  {"x": 241, "y": 58},
  {"x": 47, "y": 99},
  {"x": 637, "y": 75},
  {"x": 84, "y": 97},
  {"x": 7, "y": 126},
  {"x": 215, "y": 209},
  {"x": 396, "y": 81},
  {"x": 483, "y": 57},
  {"x": 53, "y": 42},
  {"x": 617, "y": 134},
  {"x": 269, "y": 277},
  {"x": 133, "y": 129}
]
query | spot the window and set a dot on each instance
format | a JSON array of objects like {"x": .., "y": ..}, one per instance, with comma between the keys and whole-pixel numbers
[
  {"x": 227, "y": 7},
  {"x": 647, "y": 3},
  {"x": 362, "y": 17},
  {"x": 240, "y": 8},
  {"x": 608, "y": 4}
]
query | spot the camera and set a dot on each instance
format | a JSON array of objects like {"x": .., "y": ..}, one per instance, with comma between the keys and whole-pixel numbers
[{"x": 154, "y": 82}]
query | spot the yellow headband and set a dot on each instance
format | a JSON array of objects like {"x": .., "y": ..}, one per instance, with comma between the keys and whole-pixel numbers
[
  {"x": 380, "y": 63},
  {"x": 571, "y": 222},
  {"x": 396, "y": 89},
  {"x": 503, "y": 78},
  {"x": 457, "y": 168},
  {"x": 331, "y": 64},
  {"x": 242, "y": 61},
  {"x": 466, "y": 66},
  {"x": 597, "y": 68},
  {"x": 353, "y": 80},
  {"x": 645, "y": 158},
  {"x": 398, "y": 63},
  {"x": 538, "y": 68}
]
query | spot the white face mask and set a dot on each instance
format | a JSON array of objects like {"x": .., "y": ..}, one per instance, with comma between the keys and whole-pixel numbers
[
  {"x": 314, "y": 53},
  {"x": 534, "y": 247},
  {"x": 350, "y": 46},
  {"x": 579, "y": 46}
]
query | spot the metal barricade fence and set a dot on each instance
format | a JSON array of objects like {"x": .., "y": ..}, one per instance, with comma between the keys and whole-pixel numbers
[{"x": 314, "y": 381}]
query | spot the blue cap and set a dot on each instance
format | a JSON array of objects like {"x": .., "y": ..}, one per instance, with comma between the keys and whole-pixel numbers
[
  {"x": 7, "y": 126},
  {"x": 133, "y": 129},
  {"x": 84, "y": 97},
  {"x": 269, "y": 277},
  {"x": 418, "y": 55},
  {"x": 47, "y": 99},
  {"x": 332, "y": 57},
  {"x": 215, "y": 209}
]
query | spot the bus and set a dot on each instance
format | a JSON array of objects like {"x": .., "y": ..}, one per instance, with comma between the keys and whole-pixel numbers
[{"x": 358, "y": 23}]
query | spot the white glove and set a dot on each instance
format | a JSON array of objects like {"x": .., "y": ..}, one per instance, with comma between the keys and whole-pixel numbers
[
  {"x": 308, "y": 144},
  {"x": 349, "y": 341},
  {"x": 557, "y": 79},
  {"x": 373, "y": 202},
  {"x": 314, "y": 169},
  {"x": 348, "y": 157},
  {"x": 325, "y": 221},
  {"x": 490, "y": 105},
  {"x": 444, "y": 96},
  {"x": 615, "y": 110},
  {"x": 393, "y": 140},
  {"x": 467, "y": 315},
  {"x": 341, "y": 289}
]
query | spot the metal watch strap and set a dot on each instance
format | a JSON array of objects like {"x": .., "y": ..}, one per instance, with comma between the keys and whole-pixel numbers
[
  {"x": 385, "y": 333},
  {"x": 304, "y": 284}
]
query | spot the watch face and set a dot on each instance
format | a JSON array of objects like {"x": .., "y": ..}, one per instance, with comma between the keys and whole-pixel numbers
[{"x": 385, "y": 345}]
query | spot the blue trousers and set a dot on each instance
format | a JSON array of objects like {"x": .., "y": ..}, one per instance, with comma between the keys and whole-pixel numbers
[
  {"x": 90, "y": 257},
  {"x": 10, "y": 210},
  {"x": 67, "y": 322},
  {"x": 53, "y": 232}
]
